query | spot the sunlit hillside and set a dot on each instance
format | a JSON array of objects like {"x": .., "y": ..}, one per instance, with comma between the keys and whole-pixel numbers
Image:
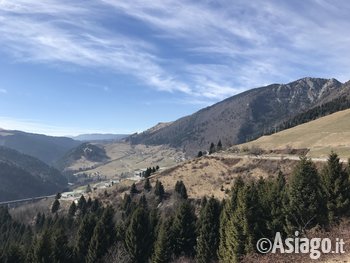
[{"x": 320, "y": 136}]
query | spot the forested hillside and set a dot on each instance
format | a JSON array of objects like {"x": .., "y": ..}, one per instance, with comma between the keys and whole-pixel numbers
[
  {"x": 46, "y": 148},
  {"x": 153, "y": 224},
  {"x": 23, "y": 176},
  {"x": 250, "y": 114},
  {"x": 87, "y": 151}
]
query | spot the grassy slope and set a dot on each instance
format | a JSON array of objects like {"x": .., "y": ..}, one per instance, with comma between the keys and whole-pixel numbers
[
  {"x": 208, "y": 175},
  {"x": 320, "y": 136},
  {"x": 126, "y": 158}
]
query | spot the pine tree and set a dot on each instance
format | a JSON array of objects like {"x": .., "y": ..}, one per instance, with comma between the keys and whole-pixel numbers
[
  {"x": 159, "y": 190},
  {"x": 55, "y": 206},
  {"x": 276, "y": 201},
  {"x": 242, "y": 223},
  {"x": 137, "y": 236},
  {"x": 184, "y": 229},
  {"x": 85, "y": 232},
  {"x": 335, "y": 182},
  {"x": 96, "y": 246},
  {"x": 88, "y": 189},
  {"x": 306, "y": 204},
  {"x": 60, "y": 252},
  {"x": 127, "y": 205},
  {"x": 212, "y": 148},
  {"x": 163, "y": 246},
  {"x": 232, "y": 241},
  {"x": 89, "y": 203},
  {"x": 72, "y": 209},
  {"x": 219, "y": 146},
  {"x": 42, "y": 248},
  {"x": 147, "y": 186},
  {"x": 143, "y": 202},
  {"x": 200, "y": 154},
  {"x": 82, "y": 204},
  {"x": 103, "y": 236},
  {"x": 148, "y": 172},
  {"x": 224, "y": 249},
  {"x": 154, "y": 226},
  {"x": 133, "y": 189},
  {"x": 39, "y": 220},
  {"x": 95, "y": 206},
  {"x": 256, "y": 215},
  {"x": 208, "y": 232},
  {"x": 180, "y": 190},
  {"x": 12, "y": 254}
]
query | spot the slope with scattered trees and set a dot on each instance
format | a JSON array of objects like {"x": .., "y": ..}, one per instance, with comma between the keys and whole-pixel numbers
[
  {"x": 248, "y": 115},
  {"x": 141, "y": 228}
]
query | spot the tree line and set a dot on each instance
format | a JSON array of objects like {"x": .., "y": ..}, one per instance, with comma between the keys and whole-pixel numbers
[
  {"x": 212, "y": 149},
  {"x": 338, "y": 104},
  {"x": 140, "y": 229}
]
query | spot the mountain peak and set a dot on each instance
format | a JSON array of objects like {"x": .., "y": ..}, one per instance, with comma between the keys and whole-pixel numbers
[{"x": 244, "y": 116}]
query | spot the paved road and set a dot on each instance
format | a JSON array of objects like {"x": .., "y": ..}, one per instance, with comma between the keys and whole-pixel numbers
[
  {"x": 269, "y": 157},
  {"x": 25, "y": 200}
]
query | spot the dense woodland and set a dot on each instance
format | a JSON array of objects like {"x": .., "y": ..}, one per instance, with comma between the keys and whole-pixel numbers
[
  {"x": 139, "y": 229},
  {"x": 23, "y": 176}
]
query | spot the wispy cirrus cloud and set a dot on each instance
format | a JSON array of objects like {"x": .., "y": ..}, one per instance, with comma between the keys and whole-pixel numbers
[
  {"x": 42, "y": 127},
  {"x": 207, "y": 50},
  {"x": 36, "y": 126},
  {"x": 260, "y": 41},
  {"x": 70, "y": 37}
]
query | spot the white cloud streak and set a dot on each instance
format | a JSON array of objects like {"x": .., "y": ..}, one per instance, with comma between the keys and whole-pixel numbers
[
  {"x": 261, "y": 41},
  {"x": 224, "y": 47},
  {"x": 34, "y": 40},
  {"x": 37, "y": 126}
]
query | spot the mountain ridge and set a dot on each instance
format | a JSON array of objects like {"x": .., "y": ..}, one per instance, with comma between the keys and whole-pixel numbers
[
  {"x": 46, "y": 148},
  {"x": 24, "y": 176},
  {"x": 99, "y": 137},
  {"x": 244, "y": 116}
]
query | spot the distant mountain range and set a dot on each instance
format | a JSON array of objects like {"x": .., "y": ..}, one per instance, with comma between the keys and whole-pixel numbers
[
  {"x": 25, "y": 170},
  {"x": 23, "y": 176},
  {"x": 100, "y": 137},
  {"x": 46, "y": 148},
  {"x": 245, "y": 116}
]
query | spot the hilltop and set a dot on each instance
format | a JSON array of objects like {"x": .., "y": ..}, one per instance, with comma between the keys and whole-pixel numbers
[
  {"x": 245, "y": 116},
  {"x": 46, "y": 148},
  {"x": 214, "y": 175}
]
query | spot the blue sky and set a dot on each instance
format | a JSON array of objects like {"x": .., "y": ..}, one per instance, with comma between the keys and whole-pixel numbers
[{"x": 70, "y": 67}]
